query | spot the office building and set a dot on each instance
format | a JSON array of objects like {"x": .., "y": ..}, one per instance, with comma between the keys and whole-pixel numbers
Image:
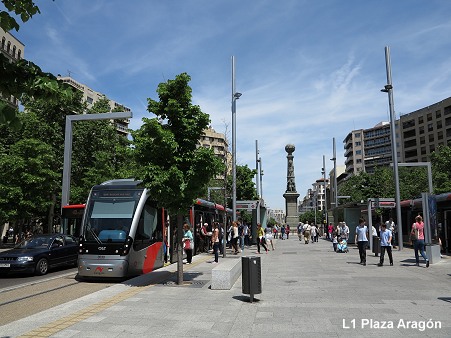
[{"x": 90, "y": 96}]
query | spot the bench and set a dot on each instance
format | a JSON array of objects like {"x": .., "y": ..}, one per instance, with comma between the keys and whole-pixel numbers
[{"x": 225, "y": 274}]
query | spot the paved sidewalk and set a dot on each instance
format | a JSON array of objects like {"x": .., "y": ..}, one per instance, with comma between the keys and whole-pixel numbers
[{"x": 308, "y": 291}]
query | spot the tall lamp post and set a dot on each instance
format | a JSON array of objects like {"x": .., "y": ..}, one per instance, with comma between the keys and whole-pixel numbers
[
  {"x": 235, "y": 96},
  {"x": 388, "y": 88},
  {"x": 325, "y": 188}
]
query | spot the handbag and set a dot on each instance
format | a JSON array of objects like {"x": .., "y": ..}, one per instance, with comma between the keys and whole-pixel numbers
[
  {"x": 414, "y": 233},
  {"x": 187, "y": 244}
]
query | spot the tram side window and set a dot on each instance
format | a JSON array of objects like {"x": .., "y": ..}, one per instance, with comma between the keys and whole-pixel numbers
[{"x": 146, "y": 232}]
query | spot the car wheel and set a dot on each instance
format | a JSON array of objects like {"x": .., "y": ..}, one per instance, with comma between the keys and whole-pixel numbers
[{"x": 42, "y": 267}]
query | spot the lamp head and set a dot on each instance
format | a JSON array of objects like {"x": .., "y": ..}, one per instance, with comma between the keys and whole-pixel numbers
[{"x": 237, "y": 95}]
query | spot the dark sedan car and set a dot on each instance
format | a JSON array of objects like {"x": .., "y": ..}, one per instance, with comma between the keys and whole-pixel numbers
[{"x": 39, "y": 253}]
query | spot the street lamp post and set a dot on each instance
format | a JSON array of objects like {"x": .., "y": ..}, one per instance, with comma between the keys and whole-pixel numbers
[
  {"x": 388, "y": 88},
  {"x": 325, "y": 188},
  {"x": 235, "y": 96}
]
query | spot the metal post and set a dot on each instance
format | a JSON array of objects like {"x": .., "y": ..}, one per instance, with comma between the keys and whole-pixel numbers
[
  {"x": 65, "y": 194},
  {"x": 335, "y": 174},
  {"x": 233, "y": 142},
  {"x": 261, "y": 177},
  {"x": 325, "y": 189},
  {"x": 389, "y": 89},
  {"x": 257, "y": 174}
]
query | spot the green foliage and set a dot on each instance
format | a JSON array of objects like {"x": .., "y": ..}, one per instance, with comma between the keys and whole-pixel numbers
[
  {"x": 25, "y": 80},
  {"x": 25, "y": 9},
  {"x": 27, "y": 179},
  {"x": 309, "y": 216},
  {"x": 170, "y": 163},
  {"x": 441, "y": 164}
]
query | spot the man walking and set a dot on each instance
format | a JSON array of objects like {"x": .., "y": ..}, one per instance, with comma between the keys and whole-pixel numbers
[{"x": 361, "y": 238}]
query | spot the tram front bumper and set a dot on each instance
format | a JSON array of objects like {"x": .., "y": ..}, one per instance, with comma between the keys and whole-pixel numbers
[{"x": 114, "y": 268}]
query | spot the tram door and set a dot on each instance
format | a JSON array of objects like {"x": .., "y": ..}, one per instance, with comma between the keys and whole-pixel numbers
[{"x": 445, "y": 236}]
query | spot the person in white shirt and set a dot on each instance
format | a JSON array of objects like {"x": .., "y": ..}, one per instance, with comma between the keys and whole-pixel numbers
[{"x": 344, "y": 231}]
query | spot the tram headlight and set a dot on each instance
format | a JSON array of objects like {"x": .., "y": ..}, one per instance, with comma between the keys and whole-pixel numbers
[{"x": 127, "y": 246}]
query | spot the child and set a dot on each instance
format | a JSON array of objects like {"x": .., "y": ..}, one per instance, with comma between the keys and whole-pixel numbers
[{"x": 335, "y": 242}]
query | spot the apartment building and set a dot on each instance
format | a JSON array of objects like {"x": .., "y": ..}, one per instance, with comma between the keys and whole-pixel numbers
[
  {"x": 316, "y": 197},
  {"x": 13, "y": 49},
  {"x": 366, "y": 149},
  {"x": 424, "y": 130},
  {"x": 217, "y": 141},
  {"x": 278, "y": 215},
  {"x": 90, "y": 96}
]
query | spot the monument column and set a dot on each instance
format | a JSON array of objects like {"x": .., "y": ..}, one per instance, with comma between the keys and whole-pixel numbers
[{"x": 291, "y": 195}]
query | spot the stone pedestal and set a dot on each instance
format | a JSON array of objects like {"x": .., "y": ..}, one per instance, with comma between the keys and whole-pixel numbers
[{"x": 291, "y": 207}]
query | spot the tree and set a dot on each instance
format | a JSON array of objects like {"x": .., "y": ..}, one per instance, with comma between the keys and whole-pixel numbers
[
  {"x": 24, "y": 78},
  {"x": 441, "y": 164},
  {"x": 171, "y": 165}
]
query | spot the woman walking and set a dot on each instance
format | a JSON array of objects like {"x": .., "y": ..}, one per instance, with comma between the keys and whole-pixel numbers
[
  {"x": 417, "y": 236},
  {"x": 188, "y": 243},
  {"x": 215, "y": 243},
  {"x": 261, "y": 240}
]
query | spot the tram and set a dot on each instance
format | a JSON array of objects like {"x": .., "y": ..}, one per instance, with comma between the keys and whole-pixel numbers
[
  {"x": 442, "y": 229},
  {"x": 121, "y": 233},
  {"x": 124, "y": 234}
]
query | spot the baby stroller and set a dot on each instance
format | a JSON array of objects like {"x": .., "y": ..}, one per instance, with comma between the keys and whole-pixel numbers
[{"x": 342, "y": 246}]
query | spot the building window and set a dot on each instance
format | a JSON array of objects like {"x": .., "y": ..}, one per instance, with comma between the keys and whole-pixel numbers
[
  {"x": 438, "y": 114},
  {"x": 420, "y": 119},
  {"x": 14, "y": 51},
  {"x": 3, "y": 42},
  {"x": 430, "y": 127},
  {"x": 439, "y": 124},
  {"x": 358, "y": 152},
  {"x": 431, "y": 138},
  {"x": 358, "y": 143},
  {"x": 421, "y": 130},
  {"x": 431, "y": 148},
  {"x": 357, "y": 135},
  {"x": 422, "y": 140},
  {"x": 447, "y": 110},
  {"x": 440, "y": 135},
  {"x": 8, "y": 47},
  {"x": 423, "y": 150},
  {"x": 19, "y": 54},
  {"x": 429, "y": 116}
]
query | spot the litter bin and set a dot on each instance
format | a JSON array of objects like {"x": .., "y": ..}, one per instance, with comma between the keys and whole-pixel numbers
[
  {"x": 251, "y": 276},
  {"x": 376, "y": 245}
]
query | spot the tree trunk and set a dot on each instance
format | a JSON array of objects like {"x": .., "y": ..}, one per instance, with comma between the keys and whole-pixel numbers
[
  {"x": 179, "y": 249},
  {"x": 51, "y": 215}
]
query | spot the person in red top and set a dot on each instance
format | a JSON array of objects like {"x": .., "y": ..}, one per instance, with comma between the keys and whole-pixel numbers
[
  {"x": 330, "y": 229},
  {"x": 417, "y": 235}
]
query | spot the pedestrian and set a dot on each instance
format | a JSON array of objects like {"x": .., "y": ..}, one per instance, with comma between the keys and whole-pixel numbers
[
  {"x": 390, "y": 225},
  {"x": 188, "y": 243},
  {"x": 330, "y": 229},
  {"x": 307, "y": 229},
  {"x": 287, "y": 231},
  {"x": 361, "y": 238},
  {"x": 269, "y": 237},
  {"x": 417, "y": 237},
  {"x": 246, "y": 235},
  {"x": 386, "y": 238},
  {"x": 282, "y": 232},
  {"x": 344, "y": 231},
  {"x": 261, "y": 240},
  {"x": 234, "y": 238},
  {"x": 215, "y": 243},
  {"x": 313, "y": 232},
  {"x": 241, "y": 235},
  {"x": 335, "y": 241},
  {"x": 300, "y": 230},
  {"x": 275, "y": 231}
]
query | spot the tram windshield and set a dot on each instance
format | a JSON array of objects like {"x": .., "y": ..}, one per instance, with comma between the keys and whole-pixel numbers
[{"x": 109, "y": 215}]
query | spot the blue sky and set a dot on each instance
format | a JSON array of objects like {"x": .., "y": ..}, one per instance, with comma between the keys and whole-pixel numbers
[{"x": 309, "y": 71}]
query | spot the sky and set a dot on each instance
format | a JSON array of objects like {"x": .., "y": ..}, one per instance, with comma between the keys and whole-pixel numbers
[{"x": 309, "y": 71}]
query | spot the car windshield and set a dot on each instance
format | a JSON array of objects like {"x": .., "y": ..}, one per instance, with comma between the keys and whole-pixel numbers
[{"x": 34, "y": 242}]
